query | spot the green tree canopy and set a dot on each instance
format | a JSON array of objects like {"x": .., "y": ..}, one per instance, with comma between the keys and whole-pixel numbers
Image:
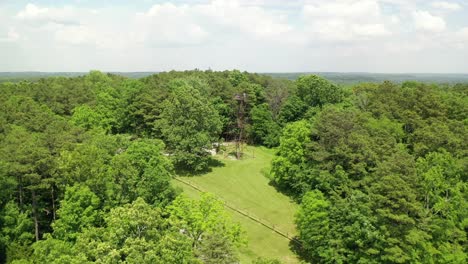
[
  {"x": 189, "y": 126},
  {"x": 317, "y": 91}
]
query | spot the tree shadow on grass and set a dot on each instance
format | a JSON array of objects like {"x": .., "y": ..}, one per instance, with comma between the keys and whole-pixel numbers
[
  {"x": 296, "y": 247},
  {"x": 281, "y": 189},
  {"x": 285, "y": 191},
  {"x": 215, "y": 163},
  {"x": 184, "y": 171}
]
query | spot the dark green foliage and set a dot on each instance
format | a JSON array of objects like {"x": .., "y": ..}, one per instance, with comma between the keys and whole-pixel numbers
[
  {"x": 276, "y": 93},
  {"x": 154, "y": 171},
  {"x": 189, "y": 125},
  {"x": 292, "y": 110},
  {"x": 264, "y": 129},
  {"x": 379, "y": 178},
  {"x": 216, "y": 249}
]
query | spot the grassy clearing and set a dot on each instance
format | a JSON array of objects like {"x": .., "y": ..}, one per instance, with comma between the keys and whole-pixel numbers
[{"x": 242, "y": 184}]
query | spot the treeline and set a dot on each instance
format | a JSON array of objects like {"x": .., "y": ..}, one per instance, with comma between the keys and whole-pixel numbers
[
  {"x": 86, "y": 164},
  {"x": 353, "y": 78},
  {"x": 381, "y": 174}
]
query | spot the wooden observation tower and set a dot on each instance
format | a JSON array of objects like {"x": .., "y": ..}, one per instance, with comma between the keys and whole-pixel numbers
[{"x": 241, "y": 100}]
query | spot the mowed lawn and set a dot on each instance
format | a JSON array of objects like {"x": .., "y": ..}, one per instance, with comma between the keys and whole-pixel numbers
[{"x": 242, "y": 184}]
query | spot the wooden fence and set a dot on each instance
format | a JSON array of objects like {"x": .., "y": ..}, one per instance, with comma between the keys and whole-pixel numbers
[{"x": 262, "y": 222}]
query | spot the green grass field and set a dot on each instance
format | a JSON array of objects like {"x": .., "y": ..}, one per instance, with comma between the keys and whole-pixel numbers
[{"x": 242, "y": 184}]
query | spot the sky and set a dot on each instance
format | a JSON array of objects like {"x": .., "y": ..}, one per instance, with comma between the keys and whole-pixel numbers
[{"x": 385, "y": 36}]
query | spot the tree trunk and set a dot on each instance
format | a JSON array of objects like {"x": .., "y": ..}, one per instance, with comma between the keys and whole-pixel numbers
[
  {"x": 20, "y": 192},
  {"x": 53, "y": 202},
  {"x": 36, "y": 220}
]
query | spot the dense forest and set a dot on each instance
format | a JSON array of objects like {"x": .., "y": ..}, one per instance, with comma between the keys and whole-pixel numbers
[{"x": 380, "y": 170}]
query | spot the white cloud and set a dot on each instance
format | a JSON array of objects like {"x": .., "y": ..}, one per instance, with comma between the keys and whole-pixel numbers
[
  {"x": 394, "y": 19},
  {"x": 446, "y": 5},
  {"x": 424, "y": 21},
  {"x": 193, "y": 24},
  {"x": 463, "y": 33},
  {"x": 76, "y": 35},
  {"x": 461, "y": 38},
  {"x": 11, "y": 36},
  {"x": 168, "y": 24},
  {"x": 342, "y": 20},
  {"x": 43, "y": 15},
  {"x": 360, "y": 9},
  {"x": 251, "y": 19},
  {"x": 370, "y": 30},
  {"x": 70, "y": 25},
  {"x": 256, "y": 35}
]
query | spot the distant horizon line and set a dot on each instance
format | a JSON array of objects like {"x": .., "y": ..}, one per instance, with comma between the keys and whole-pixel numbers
[{"x": 265, "y": 72}]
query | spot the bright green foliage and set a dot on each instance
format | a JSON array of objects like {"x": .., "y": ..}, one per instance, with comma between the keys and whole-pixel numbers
[
  {"x": 176, "y": 248},
  {"x": 134, "y": 233},
  {"x": 236, "y": 77},
  {"x": 288, "y": 168},
  {"x": 54, "y": 251},
  {"x": 138, "y": 233},
  {"x": 78, "y": 210},
  {"x": 136, "y": 220},
  {"x": 89, "y": 164},
  {"x": 189, "y": 126},
  {"x": 84, "y": 116},
  {"x": 444, "y": 197},
  {"x": 204, "y": 218},
  {"x": 214, "y": 237},
  {"x": 111, "y": 109},
  {"x": 118, "y": 170},
  {"x": 143, "y": 171},
  {"x": 17, "y": 232},
  {"x": 317, "y": 91},
  {"x": 312, "y": 221},
  {"x": 440, "y": 174}
]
